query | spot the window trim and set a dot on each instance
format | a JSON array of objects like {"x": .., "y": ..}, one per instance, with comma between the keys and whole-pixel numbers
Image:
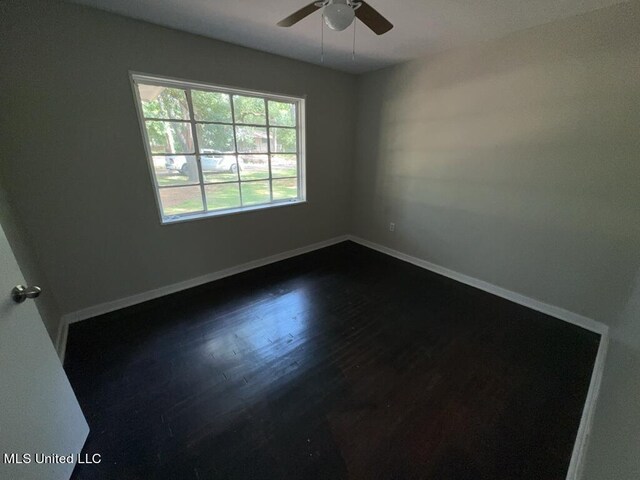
[{"x": 188, "y": 85}]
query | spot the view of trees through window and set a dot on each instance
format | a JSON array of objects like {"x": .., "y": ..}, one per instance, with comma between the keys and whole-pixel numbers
[{"x": 217, "y": 150}]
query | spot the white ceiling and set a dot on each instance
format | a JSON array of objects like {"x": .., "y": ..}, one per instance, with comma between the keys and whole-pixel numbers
[{"x": 421, "y": 26}]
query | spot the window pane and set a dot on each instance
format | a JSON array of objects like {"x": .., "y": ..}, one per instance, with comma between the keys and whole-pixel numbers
[
  {"x": 180, "y": 200},
  {"x": 175, "y": 169},
  {"x": 283, "y": 114},
  {"x": 255, "y": 192},
  {"x": 254, "y": 167},
  {"x": 215, "y": 138},
  {"x": 251, "y": 139},
  {"x": 213, "y": 149},
  {"x": 283, "y": 140},
  {"x": 211, "y": 106},
  {"x": 163, "y": 102},
  {"x": 169, "y": 137},
  {"x": 285, "y": 188},
  {"x": 226, "y": 195},
  {"x": 284, "y": 165},
  {"x": 249, "y": 110},
  {"x": 219, "y": 168}
]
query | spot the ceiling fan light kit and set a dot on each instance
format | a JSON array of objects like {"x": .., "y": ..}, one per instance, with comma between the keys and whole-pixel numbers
[{"x": 339, "y": 14}]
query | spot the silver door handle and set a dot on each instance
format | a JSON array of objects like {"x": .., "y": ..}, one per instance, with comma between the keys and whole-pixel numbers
[{"x": 20, "y": 293}]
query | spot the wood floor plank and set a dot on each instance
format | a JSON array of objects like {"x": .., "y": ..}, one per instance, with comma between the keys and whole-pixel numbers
[{"x": 338, "y": 364}]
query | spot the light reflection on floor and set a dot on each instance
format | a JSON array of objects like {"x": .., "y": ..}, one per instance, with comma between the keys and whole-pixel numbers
[{"x": 273, "y": 335}]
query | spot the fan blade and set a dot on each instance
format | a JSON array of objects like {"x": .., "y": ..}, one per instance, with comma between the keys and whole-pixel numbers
[
  {"x": 372, "y": 19},
  {"x": 299, "y": 15}
]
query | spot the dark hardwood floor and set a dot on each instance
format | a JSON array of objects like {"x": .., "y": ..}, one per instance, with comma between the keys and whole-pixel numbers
[{"x": 341, "y": 363}]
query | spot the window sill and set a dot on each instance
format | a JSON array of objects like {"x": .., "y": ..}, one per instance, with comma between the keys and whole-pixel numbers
[{"x": 224, "y": 213}]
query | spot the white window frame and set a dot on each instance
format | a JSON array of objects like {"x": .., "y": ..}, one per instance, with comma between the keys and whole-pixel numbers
[{"x": 187, "y": 85}]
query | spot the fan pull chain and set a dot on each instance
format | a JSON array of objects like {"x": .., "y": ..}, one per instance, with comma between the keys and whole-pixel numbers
[
  {"x": 353, "y": 52},
  {"x": 322, "y": 38}
]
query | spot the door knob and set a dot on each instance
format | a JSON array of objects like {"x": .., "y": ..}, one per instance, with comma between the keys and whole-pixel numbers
[{"x": 20, "y": 293}]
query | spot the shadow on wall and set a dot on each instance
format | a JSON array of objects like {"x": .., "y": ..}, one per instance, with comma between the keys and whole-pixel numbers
[{"x": 513, "y": 162}]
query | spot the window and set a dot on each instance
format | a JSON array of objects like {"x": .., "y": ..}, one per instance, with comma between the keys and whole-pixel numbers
[{"x": 215, "y": 150}]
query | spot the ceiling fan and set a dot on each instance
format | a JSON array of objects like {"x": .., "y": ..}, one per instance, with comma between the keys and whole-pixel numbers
[{"x": 339, "y": 14}]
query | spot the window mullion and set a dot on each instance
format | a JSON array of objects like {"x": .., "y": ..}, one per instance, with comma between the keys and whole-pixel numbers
[
  {"x": 159, "y": 119},
  {"x": 235, "y": 147},
  {"x": 194, "y": 133},
  {"x": 266, "y": 111}
]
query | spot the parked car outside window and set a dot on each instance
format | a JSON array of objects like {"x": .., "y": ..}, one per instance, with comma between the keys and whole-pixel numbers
[{"x": 209, "y": 163}]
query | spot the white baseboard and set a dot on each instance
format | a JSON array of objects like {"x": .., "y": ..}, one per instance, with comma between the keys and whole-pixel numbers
[
  {"x": 576, "y": 465},
  {"x": 582, "y": 438},
  {"x": 111, "y": 306},
  {"x": 529, "y": 302}
]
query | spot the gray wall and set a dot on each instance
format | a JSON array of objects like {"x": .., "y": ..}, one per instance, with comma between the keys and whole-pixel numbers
[
  {"x": 73, "y": 163},
  {"x": 516, "y": 162}
]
